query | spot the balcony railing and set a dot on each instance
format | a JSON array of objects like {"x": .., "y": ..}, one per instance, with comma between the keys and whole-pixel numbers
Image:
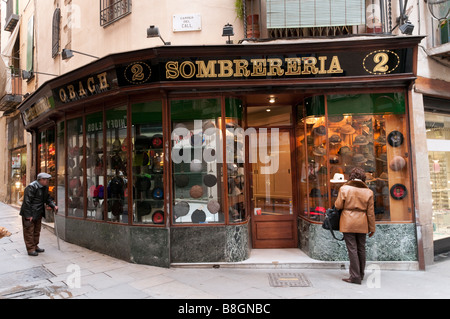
[{"x": 113, "y": 10}]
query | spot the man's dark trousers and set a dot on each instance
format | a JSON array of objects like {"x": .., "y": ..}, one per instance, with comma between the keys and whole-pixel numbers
[{"x": 31, "y": 233}]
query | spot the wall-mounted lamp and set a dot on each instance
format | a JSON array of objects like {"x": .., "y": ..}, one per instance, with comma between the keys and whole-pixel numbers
[
  {"x": 67, "y": 54},
  {"x": 228, "y": 32},
  {"x": 406, "y": 28},
  {"x": 26, "y": 75},
  {"x": 153, "y": 32}
]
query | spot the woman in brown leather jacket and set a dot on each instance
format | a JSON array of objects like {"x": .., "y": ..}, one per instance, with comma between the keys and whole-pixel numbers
[{"x": 357, "y": 219}]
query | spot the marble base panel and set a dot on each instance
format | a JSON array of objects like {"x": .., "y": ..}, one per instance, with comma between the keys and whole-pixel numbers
[
  {"x": 391, "y": 242},
  {"x": 159, "y": 246},
  {"x": 141, "y": 245},
  {"x": 209, "y": 244}
]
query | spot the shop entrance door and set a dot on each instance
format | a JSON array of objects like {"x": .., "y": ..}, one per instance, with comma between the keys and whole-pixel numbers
[{"x": 274, "y": 224}]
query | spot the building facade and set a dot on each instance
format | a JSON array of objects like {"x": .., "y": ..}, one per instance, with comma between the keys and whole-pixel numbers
[{"x": 201, "y": 150}]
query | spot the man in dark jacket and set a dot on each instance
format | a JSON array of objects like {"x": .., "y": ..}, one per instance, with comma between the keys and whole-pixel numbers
[{"x": 35, "y": 198}]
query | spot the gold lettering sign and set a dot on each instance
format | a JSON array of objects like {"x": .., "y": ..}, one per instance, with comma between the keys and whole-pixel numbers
[
  {"x": 82, "y": 89},
  {"x": 238, "y": 68}
]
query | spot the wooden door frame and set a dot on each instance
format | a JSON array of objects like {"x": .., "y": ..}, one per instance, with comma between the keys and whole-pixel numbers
[{"x": 270, "y": 220}]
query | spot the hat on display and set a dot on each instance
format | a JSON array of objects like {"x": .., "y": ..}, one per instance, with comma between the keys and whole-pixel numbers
[
  {"x": 362, "y": 118},
  {"x": 181, "y": 209},
  {"x": 196, "y": 165},
  {"x": 338, "y": 178},
  {"x": 397, "y": 163},
  {"x": 345, "y": 150},
  {"x": 360, "y": 140},
  {"x": 198, "y": 216},
  {"x": 335, "y": 118},
  {"x": 383, "y": 176},
  {"x": 143, "y": 208},
  {"x": 157, "y": 141},
  {"x": 320, "y": 130},
  {"x": 213, "y": 206},
  {"x": 319, "y": 151},
  {"x": 398, "y": 191},
  {"x": 196, "y": 191},
  {"x": 158, "y": 217},
  {"x": 347, "y": 129},
  {"x": 335, "y": 139},
  {"x": 209, "y": 127},
  {"x": 395, "y": 138},
  {"x": 182, "y": 180},
  {"x": 381, "y": 139},
  {"x": 359, "y": 158},
  {"x": 210, "y": 180}
]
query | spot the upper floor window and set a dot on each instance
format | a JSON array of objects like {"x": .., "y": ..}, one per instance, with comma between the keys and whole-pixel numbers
[
  {"x": 113, "y": 10},
  {"x": 303, "y": 18}
]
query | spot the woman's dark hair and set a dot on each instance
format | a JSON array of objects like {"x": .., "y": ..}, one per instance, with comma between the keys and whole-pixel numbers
[{"x": 357, "y": 173}]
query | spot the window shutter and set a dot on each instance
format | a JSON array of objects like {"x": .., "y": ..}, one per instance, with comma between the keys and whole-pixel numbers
[
  {"x": 56, "y": 32},
  {"x": 314, "y": 13}
]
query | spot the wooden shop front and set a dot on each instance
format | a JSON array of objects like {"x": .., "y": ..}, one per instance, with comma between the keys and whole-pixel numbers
[{"x": 200, "y": 154}]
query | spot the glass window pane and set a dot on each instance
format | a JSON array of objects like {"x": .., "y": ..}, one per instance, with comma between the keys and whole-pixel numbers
[
  {"x": 148, "y": 163},
  {"x": 438, "y": 136},
  {"x": 94, "y": 166},
  {"x": 61, "y": 169},
  {"x": 75, "y": 168},
  {"x": 116, "y": 169},
  {"x": 197, "y": 161},
  {"x": 235, "y": 155},
  {"x": 365, "y": 130}
]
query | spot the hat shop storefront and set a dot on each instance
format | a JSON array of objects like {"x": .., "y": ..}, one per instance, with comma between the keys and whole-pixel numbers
[{"x": 201, "y": 154}]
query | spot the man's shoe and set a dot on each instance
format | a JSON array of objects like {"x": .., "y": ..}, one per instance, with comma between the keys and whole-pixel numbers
[
  {"x": 33, "y": 253},
  {"x": 352, "y": 281},
  {"x": 40, "y": 250}
]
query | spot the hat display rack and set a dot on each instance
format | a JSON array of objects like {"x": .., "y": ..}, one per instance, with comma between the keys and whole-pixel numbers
[
  {"x": 75, "y": 164},
  {"x": 336, "y": 144},
  {"x": 196, "y": 191},
  {"x": 94, "y": 171},
  {"x": 148, "y": 186}
]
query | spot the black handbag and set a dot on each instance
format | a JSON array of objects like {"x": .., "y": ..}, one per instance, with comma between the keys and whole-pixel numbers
[{"x": 331, "y": 222}]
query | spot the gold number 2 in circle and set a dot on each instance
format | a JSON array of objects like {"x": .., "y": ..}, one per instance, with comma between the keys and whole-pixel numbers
[
  {"x": 138, "y": 72},
  {"x": 382, "y": 59}
]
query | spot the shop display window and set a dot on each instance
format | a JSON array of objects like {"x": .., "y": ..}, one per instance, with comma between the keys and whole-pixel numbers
[
  {"x": 95, "y": 181},
  {"x": 47, "y": 157},
  {"x": 116, "y": 168},
  {"x": 61, "y": 167},
  {"x": 345, "y": 131},
  {"x": 75, "y": 168},
  {"x": 438, "y": 135},
  {"x": 197, "y": 161},
  {"x": 147, "y": 163},
  {"x": 235, "y": 158}
]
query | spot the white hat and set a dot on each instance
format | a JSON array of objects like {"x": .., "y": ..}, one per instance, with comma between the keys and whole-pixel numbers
[{"x": 338, "y": 178}]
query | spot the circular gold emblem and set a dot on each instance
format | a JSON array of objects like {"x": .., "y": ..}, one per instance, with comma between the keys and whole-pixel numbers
[
  {"x": 137, "y": 73},
  {"x": 381, "y": 62}
]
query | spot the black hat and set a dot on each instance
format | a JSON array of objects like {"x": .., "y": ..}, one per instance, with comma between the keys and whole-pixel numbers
[
  {"x": 210, "y": 180},
  {"x": 198, "y": 216},
  {"x": 395, "y": 138},
  {"x": 182, "y": 180}
]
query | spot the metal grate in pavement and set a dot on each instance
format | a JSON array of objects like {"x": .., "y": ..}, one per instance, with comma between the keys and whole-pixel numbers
[
  {"x": 289, "y": 280},
  {"x": 23, "y": 277}
]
